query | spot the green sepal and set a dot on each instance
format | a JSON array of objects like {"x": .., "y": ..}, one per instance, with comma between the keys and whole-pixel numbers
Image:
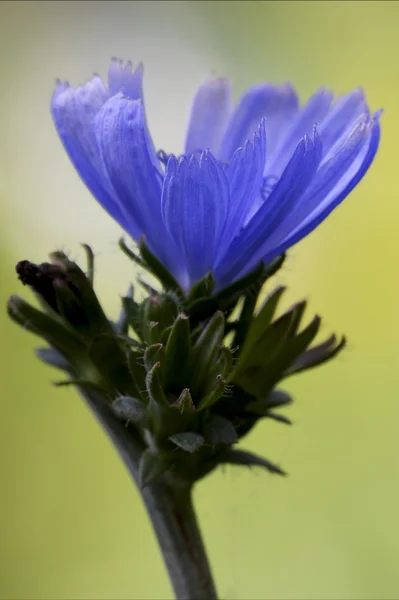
[
  {"x": 92, "y": 315},
  {"x": 151, "y": 466},
  {"x": 204, "y": 354},
  {"x": 316, "y": 356},
  {"x": 48, "y": 327},
  {"x": 107, "y": 355},
  {"x": 214, "y": 395},
  {"x": 277, "y": 398},
  {"x": 220, "y": 431},
  {"x": 70, "y": 308},
  {"x": 201, "y": 310},
  {"x": 83, "y": 383},
  {"x": 291, "y": 350},
  {"x": 184, "y": 404},
  {"x": 130, "y": 254},
  {"x": 203, "y": 288},
  {"x": 277, "y": 417},
  {"x": 257, "y": 372},
  {"x": 137, "y": 372},
  {"x": 131, "y": 314},
  {"x": 90, "y": 263},
  {"x": 187, "y": 441},
  {"x": 152, "y": 355},
  {"x": 249, "y": 284},
  {"x": 261, "y": 321},
  {"x": 161, "y": 309},
  {"x": 274, "y": 399},
  {"x": 178, "y": 349},
  {"x": 247, "y": 459},
  {"x": 123, "y": 322},
  {"x": 154, "y": 387},
  {"x": 225, "y": 362},
  {"x": 158, "y": 269},
  {"x": 53, "y": 358},
  {"x": 130, "y": 409}
]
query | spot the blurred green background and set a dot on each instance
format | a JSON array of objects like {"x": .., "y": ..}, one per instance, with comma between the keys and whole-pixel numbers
[{"x": 71, "y": 522}]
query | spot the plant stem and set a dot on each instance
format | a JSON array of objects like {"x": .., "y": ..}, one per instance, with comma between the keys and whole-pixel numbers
[{"x": 169, "y": 506}]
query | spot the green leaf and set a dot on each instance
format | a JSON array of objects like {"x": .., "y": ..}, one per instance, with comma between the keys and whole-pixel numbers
[
  {"x": 130, "y": 409},
  {"x": 220, "y": 431},
  {"x": 244, "y": 458},
  {"x": 151, "y": 467},
  {"x": 187, "y": 441},
  {"x": 158, "y": 269}
]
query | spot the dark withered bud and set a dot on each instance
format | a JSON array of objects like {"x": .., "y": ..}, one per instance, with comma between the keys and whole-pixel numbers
[
  {"x": 65, "y": 289},
  {"x": 41, "y": 279}
]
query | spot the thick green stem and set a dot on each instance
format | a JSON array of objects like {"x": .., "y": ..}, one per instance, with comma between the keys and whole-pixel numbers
[{"x": 170, "y": 509}]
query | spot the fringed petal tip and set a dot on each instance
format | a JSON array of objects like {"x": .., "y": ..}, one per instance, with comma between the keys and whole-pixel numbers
[{"x": 123, "y": 77}]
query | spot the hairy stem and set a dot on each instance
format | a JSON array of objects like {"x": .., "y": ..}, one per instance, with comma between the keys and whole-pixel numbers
[{"x": 169, "y": 506}]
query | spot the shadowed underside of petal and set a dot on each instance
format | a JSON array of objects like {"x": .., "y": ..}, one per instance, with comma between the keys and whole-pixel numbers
[
  {"x": 245, "y": 249},
  {"x": 245, "y": 175},
  {"x": 195, "y": 205},
  {"x": 335, "y": 181},
  {"x": 277, "y": 104},
  {"x": 122, "y": 141},
  {"x": 74, "y": 111},
  {"x": 209, "y": 115},
  {"x": 342, "y": 118},
  {"x": 314, "y": 111}
]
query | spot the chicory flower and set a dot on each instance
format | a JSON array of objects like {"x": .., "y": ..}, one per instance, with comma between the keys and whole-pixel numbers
[{"x": 254, "y": 178}]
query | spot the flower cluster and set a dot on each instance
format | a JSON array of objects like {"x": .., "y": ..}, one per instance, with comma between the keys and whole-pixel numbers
[{"x": 254, "y": 179}]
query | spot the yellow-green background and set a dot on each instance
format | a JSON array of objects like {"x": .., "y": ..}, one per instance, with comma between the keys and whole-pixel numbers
[{"x": 71, "y": 522}]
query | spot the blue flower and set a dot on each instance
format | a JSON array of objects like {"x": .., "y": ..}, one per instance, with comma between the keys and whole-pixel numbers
[{"x": 254, "y": 179}]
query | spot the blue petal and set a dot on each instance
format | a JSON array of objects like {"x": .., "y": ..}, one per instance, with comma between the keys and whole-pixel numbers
[
  {"x": 122, "y": 78},
  {"x": 209, "y": 116},
  {"x": 245, "y": 177},
  {"x": 277, "y": 104},
  {"x": 195, "y": 204},
  {"x": 314, "y": 111},
  {"x": 341, "y": 119},
  {"x": 74, "y": 111},
  {"x": 122, "y": 141},
  {"x": 245, "y": 249},
  {"x": 336, "y": 180}
]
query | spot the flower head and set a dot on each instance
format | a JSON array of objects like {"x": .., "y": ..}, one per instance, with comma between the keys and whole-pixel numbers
[{"x": 254, "y": 179}]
